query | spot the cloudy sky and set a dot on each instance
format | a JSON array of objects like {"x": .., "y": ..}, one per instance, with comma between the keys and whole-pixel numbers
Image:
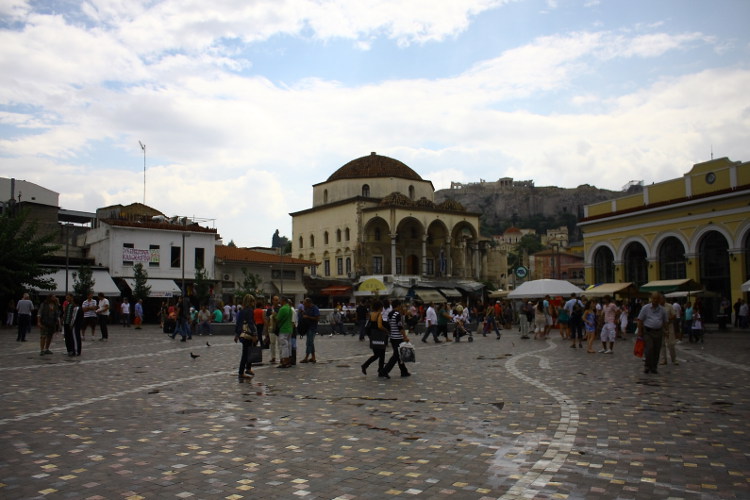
[{"x": 244, "y": 104}]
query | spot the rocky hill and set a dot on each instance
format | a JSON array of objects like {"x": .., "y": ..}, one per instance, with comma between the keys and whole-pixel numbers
[{"x": 507, "y": 202}]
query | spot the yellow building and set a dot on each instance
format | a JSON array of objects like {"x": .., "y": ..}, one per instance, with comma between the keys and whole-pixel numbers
[
  {"x": 377, "y": 216},
  {"x": 696, "y": 226}
]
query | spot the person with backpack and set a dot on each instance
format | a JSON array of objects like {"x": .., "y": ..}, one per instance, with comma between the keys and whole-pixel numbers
[
  {"x": 574, "y": 308},
  {"x": 378, "y": 335}
]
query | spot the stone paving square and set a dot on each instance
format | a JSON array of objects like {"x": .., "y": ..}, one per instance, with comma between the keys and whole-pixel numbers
[{"x": 137, "y": 418}]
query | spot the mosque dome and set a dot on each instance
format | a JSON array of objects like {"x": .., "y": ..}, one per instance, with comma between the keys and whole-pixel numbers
[{"x": 374, "y": 165}]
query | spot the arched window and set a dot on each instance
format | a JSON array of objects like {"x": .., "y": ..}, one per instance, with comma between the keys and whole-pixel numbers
[
  {"x": 713, "y": 254},
  {"x": 312, "y": 241},
  {"x": 348, "y": 265},
  {"x": 338, "y": 236},
  {"x": 636, "y": 265},
  {"x": 604, "y": 271},
  {"x": 325, "y": 196},
  {"x": 300, "y": 241},
  {"x": 366, "y": 191},
  {"x": 411, "y": 192},
  {"x": 325, "y": 238},
  {"x": 346, "y": 234},
  {"x": 377, "y": 234},
  {"x": 672, "y": 259}
]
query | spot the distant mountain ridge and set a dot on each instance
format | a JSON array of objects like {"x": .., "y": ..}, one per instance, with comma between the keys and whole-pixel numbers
[{"x": 507, "y": 202}]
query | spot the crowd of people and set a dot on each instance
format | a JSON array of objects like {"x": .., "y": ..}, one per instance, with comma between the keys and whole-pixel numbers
[{"x": 275, "y": 324}]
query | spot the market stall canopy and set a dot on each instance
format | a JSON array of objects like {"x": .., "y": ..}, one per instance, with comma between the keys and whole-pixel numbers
[
  {"x": 429, "y": 295},
  {"x": 450, "y": 293},
  {"x": 102, "y": 282},
  {"x": 498, "y": 294},
  {"x": 337, "y": 290},
  {"x": 159, "y": 288},
  {"x": 289, "y": 287},
  {"x": 372, "y": 286},
  {"x": 691, "y": 293},
  {"x": 611, "y": 289},
  {"x": 540, "y": 288},
  {"x": 681, "y": 285},
  {"x": 745, "y": 287}
]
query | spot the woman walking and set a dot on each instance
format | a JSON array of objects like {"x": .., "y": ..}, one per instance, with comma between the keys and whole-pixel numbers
[
  {"x": 378, "y": 336},
  {"x": 246, "y": 334}
]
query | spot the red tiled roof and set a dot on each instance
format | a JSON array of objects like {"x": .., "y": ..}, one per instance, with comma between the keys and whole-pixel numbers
[{"x": 244, "y": 255}]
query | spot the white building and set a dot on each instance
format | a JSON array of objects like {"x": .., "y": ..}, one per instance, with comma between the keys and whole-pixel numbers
[{"x": 171, "y": 249}]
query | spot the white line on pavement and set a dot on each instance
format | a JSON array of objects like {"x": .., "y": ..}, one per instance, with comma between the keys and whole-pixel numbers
[{"x": 540, "y": 474}]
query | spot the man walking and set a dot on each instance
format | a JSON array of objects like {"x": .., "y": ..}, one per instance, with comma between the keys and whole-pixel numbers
[
  {"x": 430, "y": 321},
  {"x": 24, "y": 308},
  {"x": 285, "y": 328},
  {"x": 651, "y": 323},
  {"x": 609, "y": 331},
  {"x": 311, "y": 317}
]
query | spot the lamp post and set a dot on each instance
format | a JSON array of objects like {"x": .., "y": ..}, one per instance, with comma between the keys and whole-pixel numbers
[
  {"x": 143, "y": 147},
  {"x": 281, "y": 276}
]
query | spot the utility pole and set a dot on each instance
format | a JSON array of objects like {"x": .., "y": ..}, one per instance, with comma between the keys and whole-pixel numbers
[{"x": 143, "y": 147}]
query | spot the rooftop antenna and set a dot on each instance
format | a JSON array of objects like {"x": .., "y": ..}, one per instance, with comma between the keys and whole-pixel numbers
[{"x": 143, "y": 147}]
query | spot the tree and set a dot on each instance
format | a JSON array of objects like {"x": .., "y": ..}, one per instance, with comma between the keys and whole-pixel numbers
[
  {"x": 527, "y": 245},
  {"x": 250, "y": 284},
  {"x": 140, "y": 276},
  {"x": 232, "y": 244},
  {"x": 83, "y": 281},
  {"x": 201, "y": 286},
  {"x": 22, "y": 250}
]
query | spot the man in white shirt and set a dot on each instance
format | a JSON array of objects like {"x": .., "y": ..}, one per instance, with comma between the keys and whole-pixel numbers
[
  {"x": 677, "y": 308},
  {"x": 103, "y": 313},
  {"x": 430, "y": 321}
]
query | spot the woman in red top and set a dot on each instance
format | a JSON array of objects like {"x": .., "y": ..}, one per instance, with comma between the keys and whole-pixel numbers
[{"x": 259, "y": 316}]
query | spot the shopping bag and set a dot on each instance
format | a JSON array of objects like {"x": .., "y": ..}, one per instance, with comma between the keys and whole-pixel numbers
[
  {"x": 406, "y": 352},
  {"x": 378, "y": 339},
  {"x": 639, "y": 346},
  {"x": 255, "y": 355}
]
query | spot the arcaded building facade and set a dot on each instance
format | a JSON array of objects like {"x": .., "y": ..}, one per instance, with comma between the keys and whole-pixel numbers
[
  {"x": 696, "y": 226},
  {"x": 377, "y": 216}
]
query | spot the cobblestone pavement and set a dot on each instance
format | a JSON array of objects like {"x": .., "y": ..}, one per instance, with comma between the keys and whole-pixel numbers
[{"x": 136, "y": 417}]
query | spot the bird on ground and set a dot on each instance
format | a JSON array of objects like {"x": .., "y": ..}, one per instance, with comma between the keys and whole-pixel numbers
[
  {"x": 194, "y": 355},
  {"x": 208, "y": 345}
]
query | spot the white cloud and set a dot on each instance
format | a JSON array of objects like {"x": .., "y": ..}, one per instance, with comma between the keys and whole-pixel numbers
[{"x": 245, "y": 151}]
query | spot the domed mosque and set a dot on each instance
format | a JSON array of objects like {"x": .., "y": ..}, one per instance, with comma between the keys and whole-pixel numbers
[{"x": 376, "y": 217}]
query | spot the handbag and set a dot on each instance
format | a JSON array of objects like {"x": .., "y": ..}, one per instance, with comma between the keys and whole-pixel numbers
[
  {"x": 406, "y": 352},
  {"x": 255, "y": 355},
  {"x": 639, "y": 347},
  {"x": 248, "y": 334}
]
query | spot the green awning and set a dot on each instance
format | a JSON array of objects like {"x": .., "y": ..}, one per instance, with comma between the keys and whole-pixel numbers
[{"x": 665, "y": 286}]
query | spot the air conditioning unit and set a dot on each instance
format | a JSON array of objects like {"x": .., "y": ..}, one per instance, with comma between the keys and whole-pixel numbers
[{"x": 227, "y": 277}]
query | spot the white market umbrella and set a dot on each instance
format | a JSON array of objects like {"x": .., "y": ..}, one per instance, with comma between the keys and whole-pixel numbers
[{"x": 540, "y": 288}]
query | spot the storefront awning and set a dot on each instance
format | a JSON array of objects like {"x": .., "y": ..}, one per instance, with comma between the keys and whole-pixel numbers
[
  {"x": 611, "y": 289},
  {"x": 337, "y": 290},
  {"x": 290, "y": 287},
  {"x": 745, "y": 287},
  {"x": 102, "y": 282},
  {"x": 682, "y": 285},
  {"x": 450, "y": 292},
  {"x": 430, "y": 296},
  {"x": 160, "y": 288}
]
